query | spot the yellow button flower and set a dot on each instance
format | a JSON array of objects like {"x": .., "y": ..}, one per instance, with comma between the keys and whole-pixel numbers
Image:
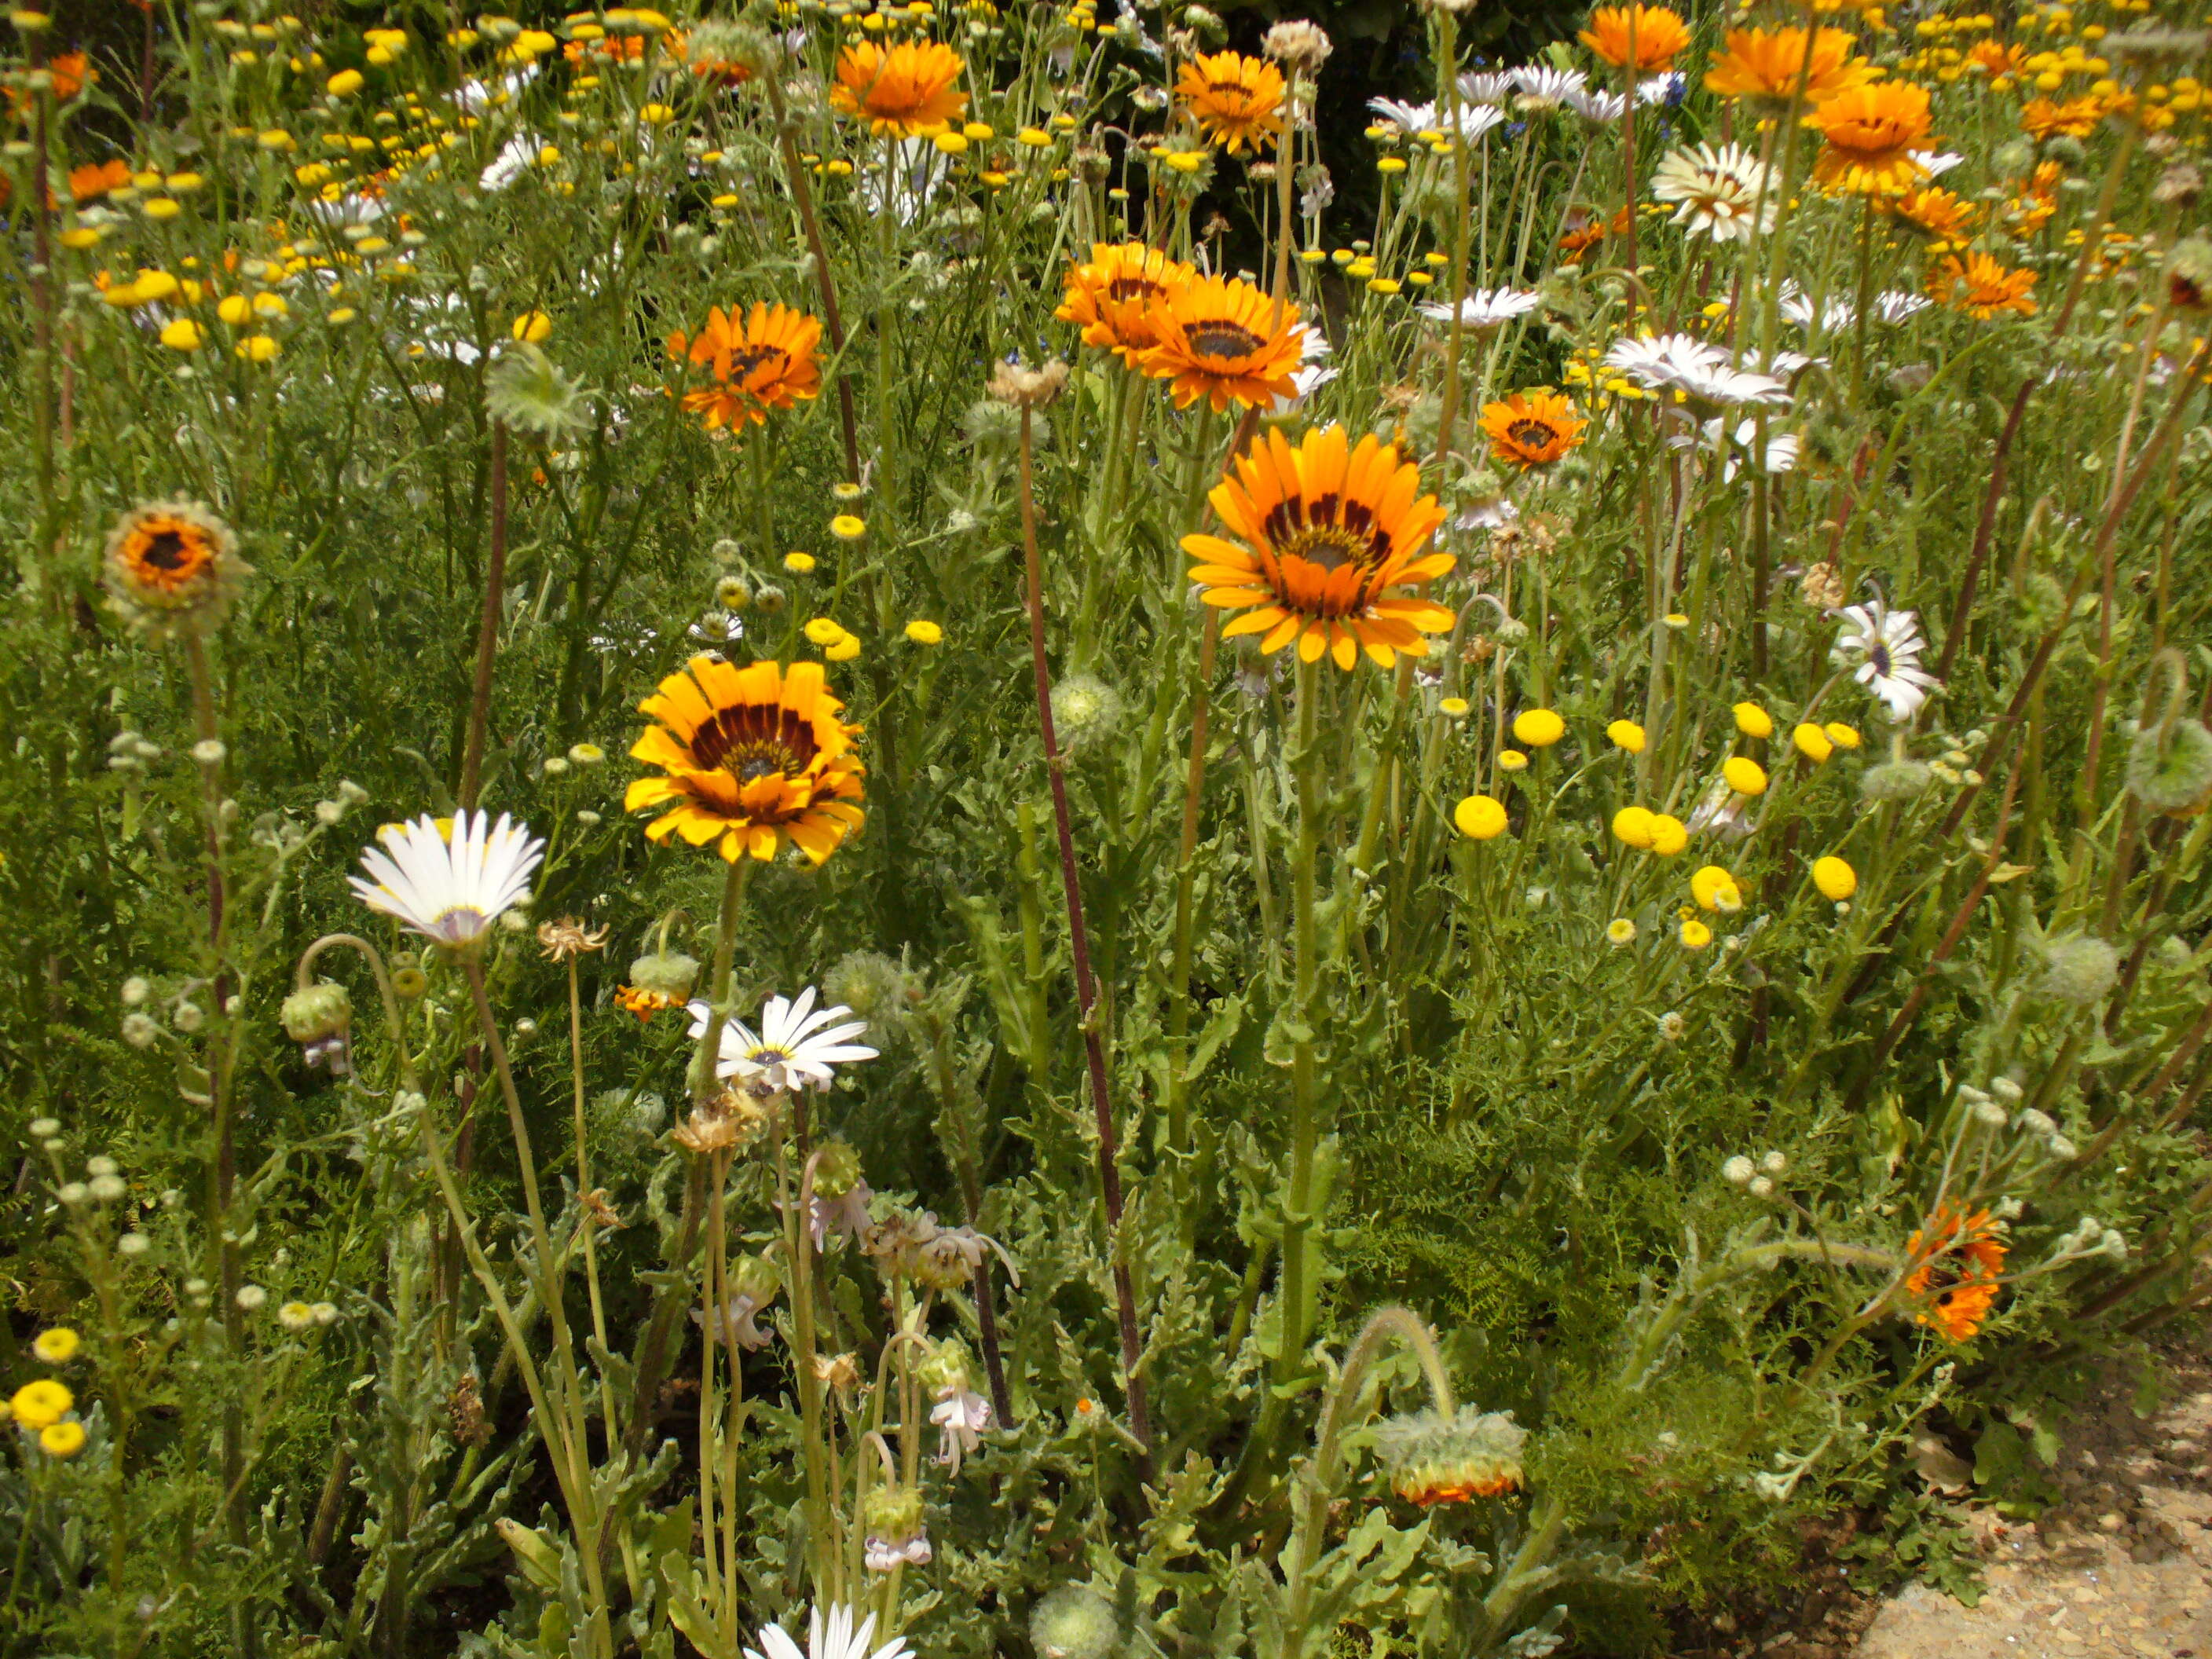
[
  {"x": 343, "y": 84},
  {"x": 798, "y": 563},
  {"x": 849, "y": 526},
  {"x": 57, "y": 1347},
  {"x": 923, "y": 632},
  {"x": 534, "y": 326},
  {"x": 1512, "y": 760},
  {"x": 1695, "y": 935},
  {"x": 823, "y": 630},
  {"x": 258, "y": 349},
  {"x": 234, "y": 308},
  {"x": 1811, "y": 741},
  {"x": 1753, "y": 721},
  {"x": 1631, "y": 826},
  {"x": 62, "y": 1439},
  {"x": 1745, "y": 776},
  {"x": 845, "y": 650},
  {"x": 1843, "y": 737},
  {"x": 1836, "y": 879},
  {"x": 1456, "y": 707},
  {"x": 1539, "y": 728},
  {"x": 1669, "y": 835},
  {"x": 1714, "y": 889},
  {"x": 1625, "y": 734},
  {"x": 36, "y": 1404},
  {"x": 1480, "y": 817},
  {"x": 183, "y": 334}
]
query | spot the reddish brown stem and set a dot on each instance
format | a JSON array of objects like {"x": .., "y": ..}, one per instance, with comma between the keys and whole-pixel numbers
[{"x": 495, "y": 590}]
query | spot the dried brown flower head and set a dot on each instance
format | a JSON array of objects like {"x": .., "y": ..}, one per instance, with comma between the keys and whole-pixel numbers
[
  {"x": 1299, "y": 46},
  {"x": 1024, "y": 387},
  {"x": 568, "y": 937}
]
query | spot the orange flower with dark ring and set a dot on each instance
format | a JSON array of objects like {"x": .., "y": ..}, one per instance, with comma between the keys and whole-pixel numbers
[
  {"x": 1533, "y": 428},
  {"x": 172, "y": 568},
  {"x": 1226, "y": 342},
  {"x": 766, "y": 363},
  {"x": 1112, "y": 297},
  {"x": 749, "y": 758},
  {"x": 1871, "y": 132},
  {"x": 905, "y": 91},
  {"x": 1982, "y": 287},
  {"x": 1764, "y": 69},
  {"x": 1236, "y": 100},
  {"x": 1327, "y": 539},
  {"x": 1957, "y": 1260}
]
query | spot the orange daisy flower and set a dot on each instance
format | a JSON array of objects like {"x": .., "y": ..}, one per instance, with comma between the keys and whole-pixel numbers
[
  {"x": 1659, "y": 34},
  {"x": 1328, "y": 538},
  {"x": 1581, "y": 237},
  {"x": 91, "y": 182},
  {"x": 1957, "y": 1263},
  {"x": 1236, "y": 100},
  {"x": 1982, "y": 287},
  {"x": 1935, "y": 211},
  {"x": 1762, "y": 69},
  {"x": 2077, "y": 117},
  {"x": 769, "y": 363},
  {"x": 1224, "y": 340},
  {"x": 906, "y": 91},
  {"x": 1871, "y": 133},
  {"x": 1113, "y": 298},
  {"x": 634, "y": 1000},
  {"x": 1996, "y": 58},
  {"x": 750, "y": 757},
  {"x": 72, "y": 72},
  {"x": 1533, "y": 428}
]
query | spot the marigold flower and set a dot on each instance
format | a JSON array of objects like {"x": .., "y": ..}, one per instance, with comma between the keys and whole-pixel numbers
[
  {"x": 1958, "y": 1262},
  {"x": 2044, "y": 118},
  {"x": 1226, "y": 342},
  {"x": 1835, "y": 878},
  {"x": 1480, "y": 817},
  {"x": 1236, "y": 101},
  {"x": 767, "y": 363},
  {"x": 1981, "y": 287},
  {"x": 905, "y": 91},
  {"x": 1935, "y": 211},
  {"x": 1871, "y": 132},
  {"x": 1652, "y": 35},
  {"x": 750, "y": 757},
  {"x": 91, "y": 182},
  {"x": 1764, "y": 69},
  {"x": 173, "y": 566},
  {"x": 1328, "y": 537},
  {"x": 1533, "y": 428}
]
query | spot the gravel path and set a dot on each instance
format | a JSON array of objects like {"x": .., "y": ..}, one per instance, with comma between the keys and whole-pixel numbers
[{"x": 2119, "y": 1568}]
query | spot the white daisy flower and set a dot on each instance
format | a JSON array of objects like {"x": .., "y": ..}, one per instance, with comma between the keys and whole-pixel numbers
[
  {"x": 1309, "y": 377},
  {"x": 1882, "y": 647},
  {"x": 1597, "y": 106},
  {"x": 1413, "y": 119},
  {"x": 1781, "y": 447},
  {"x": 1660, "y": 89},
  {"x": 1540, "y": 87},
  {"x": 451, "y": 884},
  {"x": 1681, "y": 363},
  {"x": 516, "y": 157},
  {"x": 838, "y": 1637},
  {"x": 1892, "y": 307},
  {"x": 1936, "y": 164},
  {"x": 1486, "y": 308},
  {"x": 796, "y": 1046},
  {"x": 1484, "y": 87},
  {"x": 1722, "y": 193}
]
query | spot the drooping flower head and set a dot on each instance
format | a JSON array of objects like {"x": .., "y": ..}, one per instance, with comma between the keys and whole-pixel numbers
[
  {"x": 1327, "y": 539},
  {"x": 1226, "y": 342},
  {"x": 1653, "y": 34},
  {"x": 797, "y": 1046},
  {"x": 905, "y": 91},
  {"x": 1933, "y": 211},
  {"x": 1113, "y": 297},
  {"x": 173, "y": 567},
  {"x": 1236, "y": 101},
  {"x": 1982, "y": 287},
  {"x": 1957, "y": 1260},
  {"x": 1722, "y": 193},
  {"x": 750, "y": 757},
  {"x": 449, "y": 879},
  {"x": 1871, "y": 132},
  {"x": 1433, "y": 1459},
  {"x": 766, "y": 363},
  {"x": 1532, "y": 429},
  {"x": 1763, "y": 69}
]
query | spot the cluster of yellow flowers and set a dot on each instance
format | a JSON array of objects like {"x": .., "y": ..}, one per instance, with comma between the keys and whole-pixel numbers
[{"x": 45, "y": 1409}]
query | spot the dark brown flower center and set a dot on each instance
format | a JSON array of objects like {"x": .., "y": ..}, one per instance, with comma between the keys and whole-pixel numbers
[
  {"x": 165, "y": 549},
  {"x": 1224, "y": 339},
  {"x": 753, "y": 741},
  {"x": 1529, "y": 434},
  {"x": 745, "y": 359},
  {"x": 1328, "y": 532}
]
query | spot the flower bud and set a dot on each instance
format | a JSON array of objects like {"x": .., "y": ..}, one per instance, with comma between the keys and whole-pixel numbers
[
  {"x": 1738, "y": 1171},
  {"x": 1074, "y": 1623},
  {"x": 837, "y": 1169},
  {"x": 1085, "y": 712},
  {"x": 1894, "y": 780},
  {"x": 316, "y": 1011},
  {"x": 2171, "y": 770},
  {"x": 665, "y": 973},
  {"x": 1434, "y": 1458},
  {"x": 2079, "y": 970}
]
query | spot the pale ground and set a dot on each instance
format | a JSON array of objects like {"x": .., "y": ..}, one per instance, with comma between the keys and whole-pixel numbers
[{"x": 2120, "y": 1568}]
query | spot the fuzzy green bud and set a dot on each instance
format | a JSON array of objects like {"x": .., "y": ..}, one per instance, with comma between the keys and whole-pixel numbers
[
  {"x": 1085, "y": 712},
  {"x": 837, "y": 1169},
  {"x": 1074, "y": 1623},
  {"x": 1894, "y": 780},
  {"x": 2171, "y": 771},
  {"x": 665, "y": 973},
  {"x": 892, "y": 1513},
  {"x": 1434, "y": 1458},
  {"x": 767, "y": 598},
  {"x": 317, "y": 1012},
  {"x": 945, "y": 1367},
  {"x": 2079, "y": 970},
  {"x": 870, "y": 984}
]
